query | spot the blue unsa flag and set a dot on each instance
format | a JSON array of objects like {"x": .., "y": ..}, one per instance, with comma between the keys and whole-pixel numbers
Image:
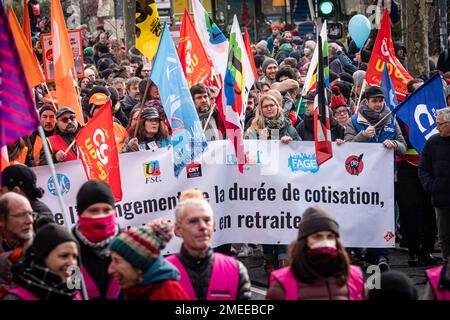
[
  {"x": 389, "y": 91},
  {"x": 418, "y": 111},
  {"x": 188, "y": 139}
]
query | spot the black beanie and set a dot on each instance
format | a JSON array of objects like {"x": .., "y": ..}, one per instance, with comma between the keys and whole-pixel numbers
[
  {"x": 394, "y": 285},
  {"x": 92, "y": 192},
  {"x": 48, "y": 237},
  {"x": 46, "y": 107},
  {"x": 23, "y": 177},
  {"x": 316, "y": 219}
]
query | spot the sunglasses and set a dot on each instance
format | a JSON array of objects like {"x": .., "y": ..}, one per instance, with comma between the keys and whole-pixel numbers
[{"x": 66, "y": 119}]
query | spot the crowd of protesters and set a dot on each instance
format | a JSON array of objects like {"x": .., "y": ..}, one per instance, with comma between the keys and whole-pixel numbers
[{"x": 36, "y": 254}]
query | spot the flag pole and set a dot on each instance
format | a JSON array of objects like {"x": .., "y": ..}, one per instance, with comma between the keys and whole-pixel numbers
[
  {"x": 363, "y": 88},
  {"x": 50, "y": 95},
  {"x": 209, "y": 118}
]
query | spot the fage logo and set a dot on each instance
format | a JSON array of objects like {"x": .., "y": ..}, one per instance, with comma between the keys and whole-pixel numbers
[
  {"x": 152, "y": 171},
  {"x": 63, "y": 182},
  {"x": 303, "y": 162}
]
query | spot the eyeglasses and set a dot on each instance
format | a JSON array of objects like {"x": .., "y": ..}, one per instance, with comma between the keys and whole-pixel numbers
[
  {"x": 23, "y": 215},
  {"x": 66, "y": 119},
  {"x": 341, "y": 112},
  {"x": 267, "y": 106},
  {"x": 441, "y": 124}
]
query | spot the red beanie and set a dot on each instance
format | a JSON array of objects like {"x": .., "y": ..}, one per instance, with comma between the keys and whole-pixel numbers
[{"x": 337, "y": 99}]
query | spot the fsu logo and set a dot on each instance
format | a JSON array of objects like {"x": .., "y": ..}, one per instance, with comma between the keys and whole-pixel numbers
[
  {"x": 152, "y": 172},
  {"x": 354, "y": 164}
]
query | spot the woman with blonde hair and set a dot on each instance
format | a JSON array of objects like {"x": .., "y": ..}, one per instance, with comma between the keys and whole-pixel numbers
[{"x": 270, "y": 123}]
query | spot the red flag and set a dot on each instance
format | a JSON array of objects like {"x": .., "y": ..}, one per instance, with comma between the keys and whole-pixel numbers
[
  {"x": 249, "y": 52},
  {"x": 26, "y": 23},
  {"x": 98, "y": 150},
  {"x": 195, "y": 62},
  {"x": 383, "y": 51},
  {"x": 322, "y": 132}
]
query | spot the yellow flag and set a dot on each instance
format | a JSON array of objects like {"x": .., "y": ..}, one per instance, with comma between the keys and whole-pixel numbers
[{"x": 148, "y": 28}]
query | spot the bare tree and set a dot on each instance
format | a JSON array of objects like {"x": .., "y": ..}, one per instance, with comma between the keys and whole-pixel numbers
[
  {"x": 417, "y": 41},
  {"x": 129, "y": 15}
]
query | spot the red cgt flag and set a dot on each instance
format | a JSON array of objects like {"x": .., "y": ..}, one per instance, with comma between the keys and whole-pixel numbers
[
  {"x": 383, "y": 51},
  {"x": 195, "y": 62},
  {"x": 98, "y": 150}
]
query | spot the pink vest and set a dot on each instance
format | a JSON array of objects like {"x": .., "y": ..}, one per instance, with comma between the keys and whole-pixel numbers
[
  {"x": 287, "y": 279},
  {"x": 434, "y": 275},
  {"x": 92, "y": 290},
  {"x": 224, "y": 281},
  {"x": 24, "y": 294}
]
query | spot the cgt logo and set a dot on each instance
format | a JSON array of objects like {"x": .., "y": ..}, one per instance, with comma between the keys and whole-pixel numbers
[
  {"x": 63, "y": 182},
  {"x": 354, "y": 164},
  {"x": 194, "y": 170},
  {"x": 152, "y": 172},
  {"x": 303, "y": 162}
]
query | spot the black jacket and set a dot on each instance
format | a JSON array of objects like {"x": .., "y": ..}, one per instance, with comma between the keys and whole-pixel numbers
[
  {"x": 434, "y": 170},
  {"x": 200, "y": 271},
  {"x": 44, "y": 214},
  {"x": 306, "y": 129}
]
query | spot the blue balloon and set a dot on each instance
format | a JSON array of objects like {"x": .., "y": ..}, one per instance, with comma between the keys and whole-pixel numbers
[{"x": 359, "y": 29}]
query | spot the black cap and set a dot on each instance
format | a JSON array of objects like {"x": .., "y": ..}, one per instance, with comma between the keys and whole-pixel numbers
[
  {"x": 150, "y": 113},
  {"x": 63, "y": 110},
  {"x": 20, "y": 176},
  {"x": 310, "y": 96},
  {"x": 374, "y": 91},
  {"x": 48, "y": 237},
  {"x": 92, "y": 192}
]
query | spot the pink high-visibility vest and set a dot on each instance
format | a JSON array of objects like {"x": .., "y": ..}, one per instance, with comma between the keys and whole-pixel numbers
[
  {"x": 224, "y": 281},
  {"x": 92, "y": 290},
  {"x": 434, "y": 275},
  {"x": 24, "y": 294},
  {"x": 287, "y": 279}
]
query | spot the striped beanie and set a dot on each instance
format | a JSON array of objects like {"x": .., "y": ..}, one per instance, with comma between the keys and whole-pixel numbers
[{"x": 141, "y": 246}]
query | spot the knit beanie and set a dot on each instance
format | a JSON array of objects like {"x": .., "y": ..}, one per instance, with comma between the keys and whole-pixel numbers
[
  {"x": 286, "y": 47},
  {"x": 358, "y": 77},
  {"x": 48, "y": 237},
  {"x": 92, "y": 192},
  {"x": 267, "y": 62},
  {"x": 316, "y": 219},
  {"x": 337, "y": 99},
  {"x": 141, "y": 246},
  {"x": 46, "y": 107},
  {"x": 394, "y": 285}
]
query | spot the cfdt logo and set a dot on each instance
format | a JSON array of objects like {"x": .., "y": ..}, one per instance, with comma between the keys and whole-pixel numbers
[
  {"x": 354, "y": 164},
  {"x": 63, "y": 182},
  {"x": 194, "y": 170},
  {"x": 152, "y": 172},
  {"x": 303, "y": 162}
]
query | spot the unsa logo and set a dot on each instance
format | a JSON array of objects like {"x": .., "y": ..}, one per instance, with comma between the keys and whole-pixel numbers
[
  {"x": 303, "y": 162},
  {"x": 63, "y": 182}
]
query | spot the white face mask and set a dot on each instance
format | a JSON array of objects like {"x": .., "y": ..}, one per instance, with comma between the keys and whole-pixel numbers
[{"x": 324, "y": 243}]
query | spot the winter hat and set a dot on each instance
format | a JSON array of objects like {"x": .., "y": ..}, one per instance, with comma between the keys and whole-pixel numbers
[
  {"x": 288, "y": 84},
  {"x": 63, "y": 110},
  {"x": 373, "y": 92},
  {"x": 346, "y": 77},
  {"x": 20, "y": 176},
  {"x": 88, "y": 51},
  {"x": 89, "y": 72},
  {"x": 46, "y": 107},
  {"x": 317, "y": 219},
  {"x": 358, "y": 77},
  {"x": 92, "y": 192},
  {"x": 286, "y": 47},
  {"x": 394, "y": 285},
  {"x": 103, "y": 48},
  {"x": 333, "y": 76},
  {"x": 345, "y": 88},
  {"x": 337, "y": 100},
  {"x": 106, "y": 73},
  {"x": 140, "y": 246},
  {"x": 150, "y": 113},
  {"x": 48, "y": 237},
  {"x": 267, "y": 62},
  {"x": 275, "y": 86}
]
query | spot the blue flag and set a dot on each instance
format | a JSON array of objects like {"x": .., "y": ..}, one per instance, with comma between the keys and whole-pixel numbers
[
  {"x": 418, "y": 111},
  {"x": 389, "y": 91},
  {"x": 188, "y": 139}
]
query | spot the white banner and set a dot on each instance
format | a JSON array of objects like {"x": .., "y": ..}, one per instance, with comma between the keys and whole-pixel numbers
[{"x": 262, "y": 205}]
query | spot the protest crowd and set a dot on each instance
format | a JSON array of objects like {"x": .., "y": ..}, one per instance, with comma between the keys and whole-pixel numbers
[{"x": 296, "y": 82}]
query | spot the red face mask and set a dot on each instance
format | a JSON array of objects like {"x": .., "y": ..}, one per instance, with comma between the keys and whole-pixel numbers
[{"x": 98, "y": 229}]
